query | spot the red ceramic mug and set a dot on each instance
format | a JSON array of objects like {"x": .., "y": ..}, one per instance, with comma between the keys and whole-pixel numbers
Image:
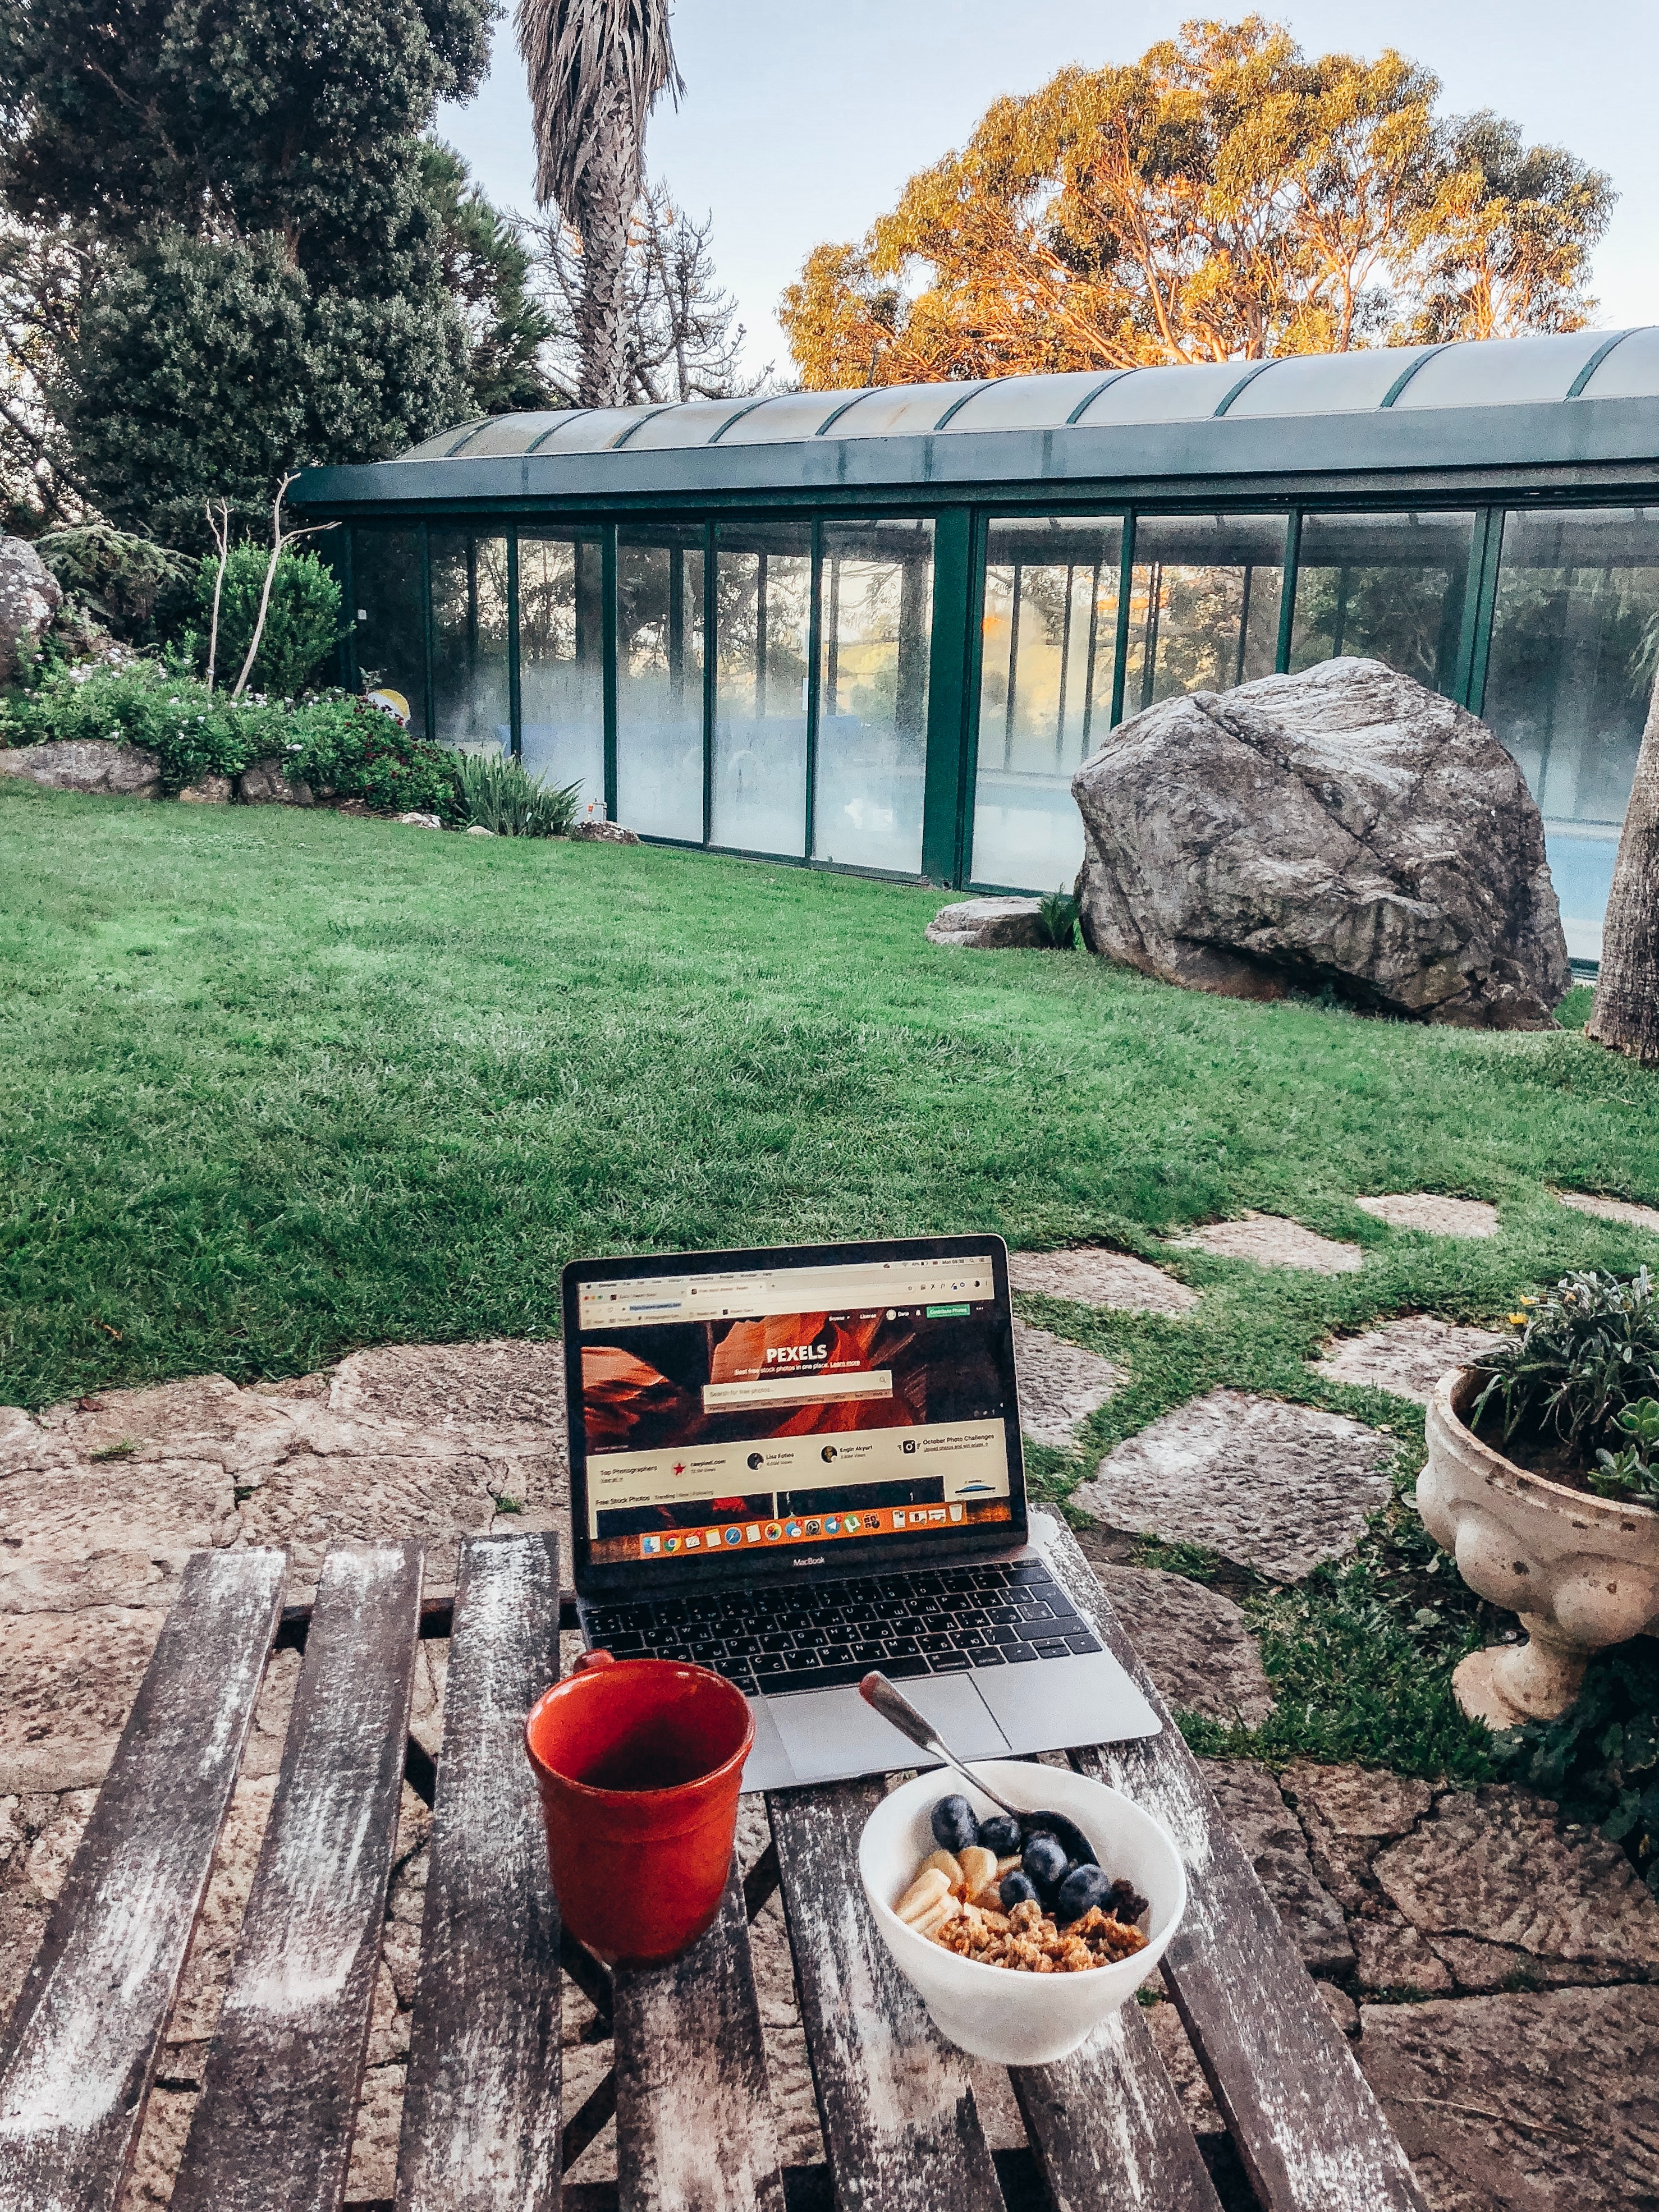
[{"x": 638, "y": 1763}]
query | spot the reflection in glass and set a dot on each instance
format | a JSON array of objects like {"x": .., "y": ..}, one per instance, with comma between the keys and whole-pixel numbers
[
  {"x": 469, "y": 641},
  {"x": 560, "y": 660},
  {"x": 1382, "y": 587},
  {"x": 391, "y": 612},
  {"x": 1045, "y": 693},
  {"x": 659, "y": 570},
  {"x": 1204, "y": 610},
  {"x": 878, "y": 605},
  {"x": 763, "y": 593},
  {"x": 1568, "y": 680}
]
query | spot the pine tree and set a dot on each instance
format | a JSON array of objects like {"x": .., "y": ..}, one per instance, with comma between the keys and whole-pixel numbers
[{"x": 260, "y": 248}]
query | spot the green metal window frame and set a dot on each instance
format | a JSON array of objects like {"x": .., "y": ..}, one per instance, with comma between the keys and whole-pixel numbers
[{"x": 961, "y": 537}]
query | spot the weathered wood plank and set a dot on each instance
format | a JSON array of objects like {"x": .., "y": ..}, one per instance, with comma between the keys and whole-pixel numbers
[
  {"x": 279, "y": 2091},
  {"x": 1311, "y": 2135},
  {"x": 900, "y": 2125},
  {"x": 695, "y": 2127},
  {"x": 78, "y": 2056},
  {"x": 1108, "y": 2129},
  {"x": 481, "y": 2107}
]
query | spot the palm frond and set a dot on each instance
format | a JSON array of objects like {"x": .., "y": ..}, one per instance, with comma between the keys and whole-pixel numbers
[{"x": 593, "y": 64}]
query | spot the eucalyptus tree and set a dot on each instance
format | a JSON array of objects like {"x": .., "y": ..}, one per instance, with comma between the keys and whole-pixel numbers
[{"x": 596, "y": 70}]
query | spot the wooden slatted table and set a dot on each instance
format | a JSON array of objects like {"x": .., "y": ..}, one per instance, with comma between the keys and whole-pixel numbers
[{"x": 482, "y": 2127}]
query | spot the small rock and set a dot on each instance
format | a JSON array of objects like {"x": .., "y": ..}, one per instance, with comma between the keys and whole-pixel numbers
[
  {"x": 1060, "y": 1384},
  {"x": 416, "y": 820},
  {"x": 1175, "y": 2048},
  {"x": 1272, "y": 1242},
  {"x": 1357, "y": 1801},
  {"x": 207, "y": 790},
  {"x": 477, "y": 829},
  {"x": 1408, "y": 1356},
  {"x": 1523, "y": 2103},
  {"x": 1341, "y": 2007},
  {"x": 1194, "y": 1641},
  {"x": 263, "y": 784},
  {"x": 602, "y": 832},
  {"x": 986, "y": 925},
  {"x": 1268, "y": 1486},
  {"x": 1274, "y": 1842},
  {"x": 87, "y": 764},
  {"x": 1611, "y": 1209},
  {"x": 1437, "y": 1216},
  {"x": 30, "y": 595},
  {"x": 1091, "y": 1275}
]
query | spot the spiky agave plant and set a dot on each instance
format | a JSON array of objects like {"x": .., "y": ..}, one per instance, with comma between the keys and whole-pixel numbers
[{"x": 596, "y": 68}]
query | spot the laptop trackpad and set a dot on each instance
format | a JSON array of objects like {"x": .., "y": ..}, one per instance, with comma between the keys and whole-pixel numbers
[{"x": 831, "y": 1734}]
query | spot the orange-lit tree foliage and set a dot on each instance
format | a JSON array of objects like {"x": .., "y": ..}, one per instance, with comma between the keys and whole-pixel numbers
[{"x": 1224, "y": 197}]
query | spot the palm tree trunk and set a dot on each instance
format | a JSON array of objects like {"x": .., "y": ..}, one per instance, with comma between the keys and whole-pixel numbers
[
  {"x": 1626, "y": 1012},
  {"x": 609, "y": 185}
]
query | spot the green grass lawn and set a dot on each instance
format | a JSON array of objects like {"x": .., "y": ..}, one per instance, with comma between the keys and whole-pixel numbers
[{"x": 275, "y": 1085}]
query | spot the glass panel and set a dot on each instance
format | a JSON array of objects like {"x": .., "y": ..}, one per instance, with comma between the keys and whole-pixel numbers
[
  {"x": 1382, "y": 587},
  {"x": 763, "y": 591},
  {"x": 1568, "y": 681},
  {"x": 385, "y": 576},
  {"x": 469, "y": 640},
  {"x": 877, "y": 589},
  {"x": 659, "y": 679},
  {"x": 1500, "y": 372},
  {"x": 1184, "y": 394},
  {"x": 1045, "y": 692},
  {"x": 1027, "y": 402},
  {"x": 1204, "y": 611},
  {"x": 561, "y": 660}
]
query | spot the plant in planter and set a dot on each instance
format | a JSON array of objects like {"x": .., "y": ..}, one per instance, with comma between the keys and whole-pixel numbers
[{"x": 1543, "y": 1479}]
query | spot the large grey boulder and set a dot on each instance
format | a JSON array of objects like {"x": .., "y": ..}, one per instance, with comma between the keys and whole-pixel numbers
[
  {"x": 30, "y": 595},
  {"x": 91, "y": 764},
  {"x": 261, "y": 783},
  {"x": 1343, "y": 827}
]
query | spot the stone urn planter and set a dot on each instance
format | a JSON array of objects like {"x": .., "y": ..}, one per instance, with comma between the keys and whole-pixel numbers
[{"x": 1580, "y": 1572}]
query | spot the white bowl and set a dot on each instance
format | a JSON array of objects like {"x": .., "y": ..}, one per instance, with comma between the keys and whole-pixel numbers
[{"x": 992, "y": 2012}]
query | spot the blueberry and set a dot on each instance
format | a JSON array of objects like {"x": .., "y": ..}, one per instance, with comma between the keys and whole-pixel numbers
[
  {"x": 1017, "y": 1888},
  {"x": 1001, "y": 1834},
  {"x": 1045, "y": 1861},
  {"x": 1083, "y": 1888},
  {"x": 955, "y": 1824}
]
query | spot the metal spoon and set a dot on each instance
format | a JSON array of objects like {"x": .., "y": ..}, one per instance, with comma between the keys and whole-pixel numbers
[{"x": 891, "y": 1704}]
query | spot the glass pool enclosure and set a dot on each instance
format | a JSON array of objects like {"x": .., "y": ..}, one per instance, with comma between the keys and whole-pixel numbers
[{"x": 879, "y": 630}]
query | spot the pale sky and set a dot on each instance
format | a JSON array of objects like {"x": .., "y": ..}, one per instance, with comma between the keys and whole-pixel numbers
[{"x": 801, "y": 123}]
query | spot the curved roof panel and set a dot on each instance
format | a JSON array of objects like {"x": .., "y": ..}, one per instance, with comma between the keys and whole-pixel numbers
[
  {"x": 1026, "y": 403},
  {"x": 1628, "y": 370},
  {"x": 790, "y": 415},
  {"x": 1327, "y": 383},
  {"x": 895, "y": 410},
  {"x": 1186, "y": 394},
  {"x": 692, "y": 423},
  {"x": 511, "y": 434},
  {"x": 1500, "y": 372}
]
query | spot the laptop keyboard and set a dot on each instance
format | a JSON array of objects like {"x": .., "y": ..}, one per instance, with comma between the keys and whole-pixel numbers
[{"x": 945, "y": 1620}]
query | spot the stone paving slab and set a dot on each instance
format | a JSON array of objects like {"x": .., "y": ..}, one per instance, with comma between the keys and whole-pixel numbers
[
  {"x": 1438, "y": 1217},
  {"x": 1196, "y": 1642},
  {"x": 1091, "y": 1275},
  {"x": 1523, "y": 2103},
  {"x": 1270, "y": 1241},
  {"x": 67, "y": 1684},
  {"x": 1269, "y": 1486},
  {"x": 1611, "y": 1209},
  {"x": 1060, "y": 1384},
  {"x": 1273, "y": 1842},
  {"x": 1408, "y": 1356},
  {"x": 1499, "y": 1884}
]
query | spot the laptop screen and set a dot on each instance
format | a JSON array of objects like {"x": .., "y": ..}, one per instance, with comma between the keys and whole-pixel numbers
[{"x": 729, "y": 1406}]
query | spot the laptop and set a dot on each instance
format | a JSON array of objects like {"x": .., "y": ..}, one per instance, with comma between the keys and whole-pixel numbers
[{"x": 796, "y": 1465}]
